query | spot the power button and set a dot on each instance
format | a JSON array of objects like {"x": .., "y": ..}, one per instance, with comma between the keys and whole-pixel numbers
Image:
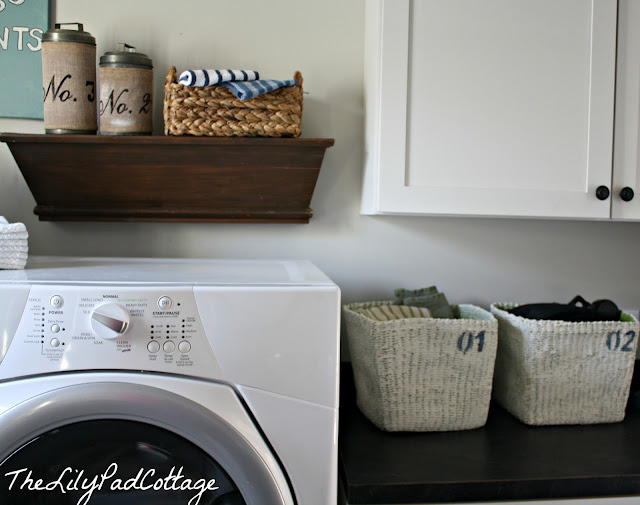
[
  {"x": 56, "y": 301},
  {"x": 164, "y": 302}
]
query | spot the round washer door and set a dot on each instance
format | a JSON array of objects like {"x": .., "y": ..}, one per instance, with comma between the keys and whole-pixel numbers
[{"x": 103, "y": 443}]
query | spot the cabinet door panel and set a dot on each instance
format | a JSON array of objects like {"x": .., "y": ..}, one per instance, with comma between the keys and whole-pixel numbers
[
  {"x": 626, "y": 159},
  {"x": 491, "y": 107}
]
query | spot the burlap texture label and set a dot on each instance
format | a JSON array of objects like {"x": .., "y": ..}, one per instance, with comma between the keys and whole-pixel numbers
[
  {"x": 69, "y": 86},
  {"x": 125, "y": 100}
]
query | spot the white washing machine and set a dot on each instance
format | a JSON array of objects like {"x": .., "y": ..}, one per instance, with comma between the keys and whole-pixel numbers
[{"x": 190, "y": 382}]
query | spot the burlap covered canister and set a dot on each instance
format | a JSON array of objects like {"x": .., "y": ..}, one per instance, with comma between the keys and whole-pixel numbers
[
  {"x": 69, "y": 80},
  {"x": 126, "y": 88}
]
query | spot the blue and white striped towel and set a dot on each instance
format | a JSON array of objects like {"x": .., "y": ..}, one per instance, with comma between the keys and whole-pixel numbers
[
  {"x": 211, "y": 77},
  {"x": 252, "y": 89}
]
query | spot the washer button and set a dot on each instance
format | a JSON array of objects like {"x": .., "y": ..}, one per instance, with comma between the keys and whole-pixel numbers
[
  {"x": 55, "y": 342},
  {"x": 169, "y": 346},
  {"x": 56, "y": 301},
  {"x": 164, "y": 302},
  {"x": 55, "y": 328},
  {"x": 184, "y": 346},
  {"x": 153, "y": 346}
]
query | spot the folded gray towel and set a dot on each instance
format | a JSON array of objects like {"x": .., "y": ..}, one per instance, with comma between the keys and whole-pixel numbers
[
  {"x": 401, "y": 294},
  {"x": 429, "y": 298},
  {"x": 437, "y": 305}
]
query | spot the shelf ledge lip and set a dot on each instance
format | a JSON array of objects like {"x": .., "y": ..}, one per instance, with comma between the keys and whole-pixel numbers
[
  {"x": 50, "y": 213},
  {"x": 164, "y": 140}
]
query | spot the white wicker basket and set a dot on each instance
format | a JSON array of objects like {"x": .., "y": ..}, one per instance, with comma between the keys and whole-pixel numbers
[
  {"x": 558, "y": 372},
  {"x": 423, "y": 374}
]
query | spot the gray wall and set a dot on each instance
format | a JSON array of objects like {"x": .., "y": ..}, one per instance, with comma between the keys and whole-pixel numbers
[{"x": 473, "y": 260}]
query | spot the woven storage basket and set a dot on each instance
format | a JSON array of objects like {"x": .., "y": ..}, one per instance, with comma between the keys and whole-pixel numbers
[
  {"x": 423, "y": 374},
  {"x": 215, "y": 111},
  {"x": 558, "y": 372}
]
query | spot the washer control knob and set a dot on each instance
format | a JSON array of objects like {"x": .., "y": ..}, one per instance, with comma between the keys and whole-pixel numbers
[
  {"x": 109, "y": 320},
  {"x": 55, "y": 328},
  {"x": 184, "y": 346},
  {"x": 153, "y": 346},
  {"x": 55, "y": 342},
  {"x": 169, "y": 346},
  {"x": 164, "y": 302}
]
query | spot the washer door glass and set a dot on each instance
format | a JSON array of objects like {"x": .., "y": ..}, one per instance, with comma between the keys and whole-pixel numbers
[{"x": 113, "y": 462}]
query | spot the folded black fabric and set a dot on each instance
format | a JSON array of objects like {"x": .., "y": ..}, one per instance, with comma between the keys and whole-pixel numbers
[{"x": 577, "y": 310}]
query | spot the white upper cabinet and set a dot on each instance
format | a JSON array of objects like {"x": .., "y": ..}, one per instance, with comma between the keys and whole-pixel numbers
[{"x": 492, "y": 107}]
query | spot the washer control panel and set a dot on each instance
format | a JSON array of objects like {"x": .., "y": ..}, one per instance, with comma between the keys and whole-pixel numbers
[{"x": 131, "y": 328}]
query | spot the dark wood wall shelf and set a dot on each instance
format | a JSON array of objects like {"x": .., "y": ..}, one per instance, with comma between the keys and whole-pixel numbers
[{"x": 159, "y": 178}]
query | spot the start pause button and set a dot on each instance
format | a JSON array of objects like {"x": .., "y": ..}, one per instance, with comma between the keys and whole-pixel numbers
[{"x": 164, "y": 302}]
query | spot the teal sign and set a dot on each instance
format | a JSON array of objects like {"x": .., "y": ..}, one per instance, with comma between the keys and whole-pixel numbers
[{"x": 22, "y": 23}]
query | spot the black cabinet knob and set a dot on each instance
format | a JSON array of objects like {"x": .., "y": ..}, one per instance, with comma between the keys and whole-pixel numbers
[
  {"x": 626, "y": 194},
  {"x": 602, "y": 192}
]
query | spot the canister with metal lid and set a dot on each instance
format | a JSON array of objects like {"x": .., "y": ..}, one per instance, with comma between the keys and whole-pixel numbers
[
  {"x": 126, "y": 88},
  {"x": 69, "y": 80}
]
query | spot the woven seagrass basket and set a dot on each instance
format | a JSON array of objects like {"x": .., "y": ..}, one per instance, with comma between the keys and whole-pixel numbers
[
  {"x": 560, "y": 372},
  {"x": 423, "y": 374},
  {"x": 215, "y": 111}
]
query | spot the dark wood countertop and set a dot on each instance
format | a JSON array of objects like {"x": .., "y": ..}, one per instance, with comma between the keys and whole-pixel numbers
[{"x": 504, "y": 460}]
